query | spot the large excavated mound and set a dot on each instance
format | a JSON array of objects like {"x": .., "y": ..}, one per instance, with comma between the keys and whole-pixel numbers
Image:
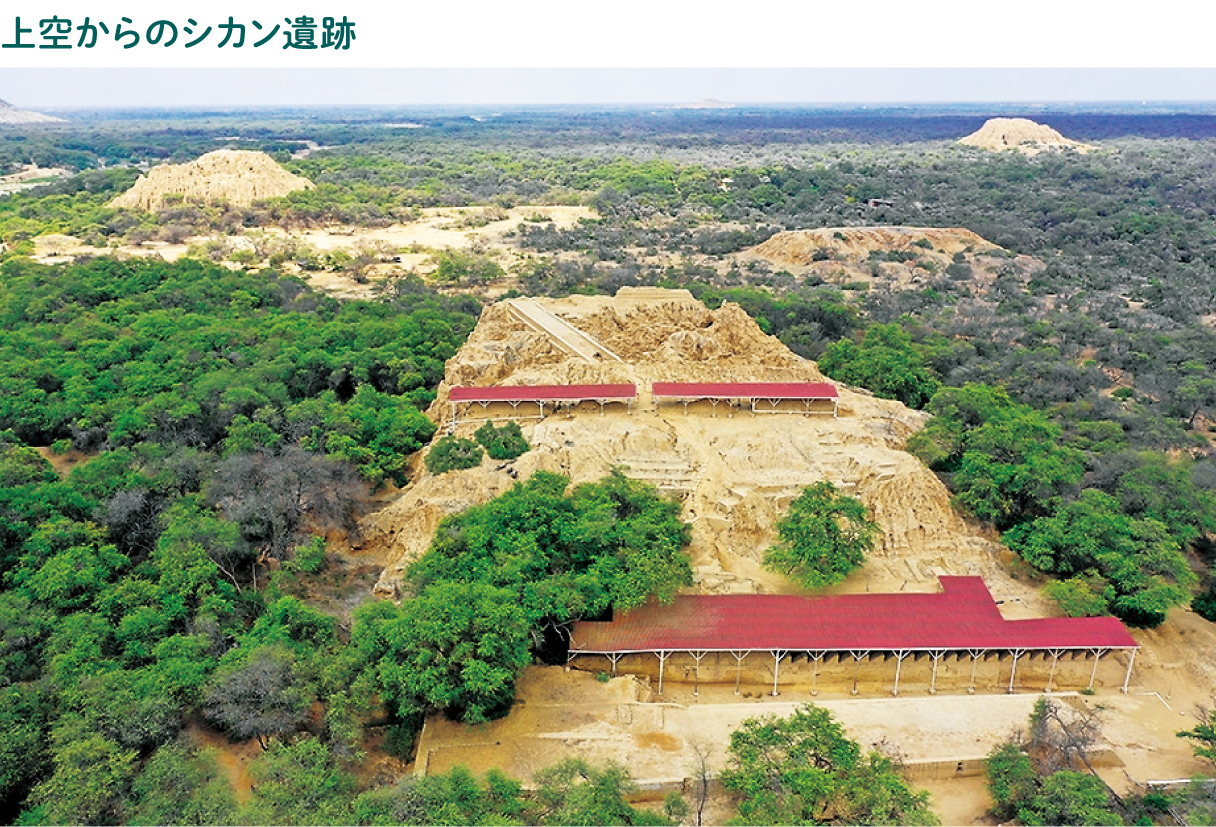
[
  {"x": 1021, "y": 134},
  {"x": 237, "y": 176},
  {"x": 735, "y": 474}
]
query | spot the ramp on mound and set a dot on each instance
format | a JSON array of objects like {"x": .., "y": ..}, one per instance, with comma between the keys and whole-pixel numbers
[{"x": 566, "y": 336}]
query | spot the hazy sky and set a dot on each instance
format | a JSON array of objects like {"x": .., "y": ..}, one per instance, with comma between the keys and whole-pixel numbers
[{"x": 49, "y": 88}]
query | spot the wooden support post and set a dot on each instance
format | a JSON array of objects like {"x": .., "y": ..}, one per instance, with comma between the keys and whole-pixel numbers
[
  {"x": 1127, "y": 679},
  {"x": 899, "y": 662},
  {"x": 738, "y": 668},
  {"x": 662, "y": 662},
  {"x": 857, "y": 656},
  {"x": 1093, "y": 675},
  {"x": 817, "y": 657},
  {"x": 974, "y": 660},
  {"x": 777, "y": 656},
  {"x": 696, "y": 681},
  {"x": 614, "y": 657},
  {"x": 937, "y": 656},
  {"x": 1055, "y": 656},
  {"x": 1017, "y": 653}
]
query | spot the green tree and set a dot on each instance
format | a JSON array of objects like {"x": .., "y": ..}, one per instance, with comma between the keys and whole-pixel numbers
[
  {"x": 506, "y": 442},
  {"x": 89, "y": 784},
  {"x": 458, "y": 266},
  {"x": 885, "y": 362},
  {"x": 1203, "y": 735},
  {"x": 824, "y": 536},
  {"x": 299, "y": 783},
  {"x": 457, "y": 647},
  {"x": 453, "y": 453},
  {"x": 574, "y": 792},
  {"x": 804, "y": 769},
  {"x": 1139, "y": 568},
  {"x": 1011, "y": 778},
  {"x": 456, "y": 798},
  {"x": 24, "y": 754},
  {"x": 1069, "y": 797},
  {"x": 180, "y": 785},
  {"x": 1005, "y": 461}
]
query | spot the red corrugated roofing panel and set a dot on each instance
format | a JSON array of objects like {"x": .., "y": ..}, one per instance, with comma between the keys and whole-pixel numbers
[
  {"x": 541, "y": 393},
  {"x": 746, "y": 390},
  {"x": 962, "y": 616}
]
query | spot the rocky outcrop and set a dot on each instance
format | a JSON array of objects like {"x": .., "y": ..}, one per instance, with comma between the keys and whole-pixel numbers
[{"x": 238, "y": 177}]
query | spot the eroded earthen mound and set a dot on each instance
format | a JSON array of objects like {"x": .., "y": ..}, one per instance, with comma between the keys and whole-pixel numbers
[
  {"x": 803, "y": 247},
  {"x": 897, "y": 257},
  {"x": 734, "y": 471},
  {"x": 1021, "y": 134},
  {"x": 238, "y": 177}
]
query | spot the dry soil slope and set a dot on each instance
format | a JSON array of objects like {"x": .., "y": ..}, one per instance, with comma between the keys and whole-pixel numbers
[
  {"x": 236, "y": 176},
  {"x": 735, "y": 475},
  {"x": 1021, "y": 134}
]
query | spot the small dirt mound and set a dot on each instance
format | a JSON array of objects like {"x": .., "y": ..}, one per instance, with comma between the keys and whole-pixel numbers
[
  {"x": 237, "y": 176},
  {"x": 1021, "y": 134}
]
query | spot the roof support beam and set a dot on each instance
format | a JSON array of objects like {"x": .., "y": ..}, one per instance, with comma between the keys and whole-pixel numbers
[
  {"x": 1017, "y": 653},
  {"x": 1055, "y": 657},
  {"x": 778, "y": 654},
  {"x": 899, "y": 662},
  {"x": 975, "y": 657},
  {"x": 937, "y": 656},
  {"x": 857, "y": 656},
  {"x": 696, "y": 685},
  {"x": 1131, "y": 661},
  {"x": 1098, "y": 653}
]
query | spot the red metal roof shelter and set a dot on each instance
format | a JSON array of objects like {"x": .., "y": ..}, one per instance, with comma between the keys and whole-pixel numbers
[
  {"x": 773, "y": 392},
  {"x": 960, "y": 618},
  {"x": 514, "y": 395}
]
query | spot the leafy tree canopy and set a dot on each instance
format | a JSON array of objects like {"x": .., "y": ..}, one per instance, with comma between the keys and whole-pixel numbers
[
  {"x": 804, "y": 769},
  {"x": 884, "y": 362},
  {"x": 1140, "y": 570},
  {"x": 824, "y": 536}
]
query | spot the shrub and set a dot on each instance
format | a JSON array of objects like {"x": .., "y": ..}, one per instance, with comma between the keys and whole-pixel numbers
[
  {"x": 506, "y": 442},
  {"x": 452, "y": 453}
]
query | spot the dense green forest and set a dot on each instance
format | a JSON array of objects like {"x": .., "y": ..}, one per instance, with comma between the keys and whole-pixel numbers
[{"x": 230, "y": 418}]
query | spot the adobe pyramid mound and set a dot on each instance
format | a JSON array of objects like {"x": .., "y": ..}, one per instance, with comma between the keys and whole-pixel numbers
[
  {"x": 239, "y": 177},
  {"x": 1021, "y": 134}
]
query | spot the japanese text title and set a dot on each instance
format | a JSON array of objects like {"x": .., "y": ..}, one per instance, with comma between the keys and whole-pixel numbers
[{"x": 301, "y": 32}]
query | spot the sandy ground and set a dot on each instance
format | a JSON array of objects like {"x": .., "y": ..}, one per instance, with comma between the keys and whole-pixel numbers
[
  {"x": 437, "y": 228},
  {"x": 942, "y": 739}
]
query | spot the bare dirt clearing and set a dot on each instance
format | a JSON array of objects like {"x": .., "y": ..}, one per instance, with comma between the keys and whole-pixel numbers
[{"x": 412, "y": 243}]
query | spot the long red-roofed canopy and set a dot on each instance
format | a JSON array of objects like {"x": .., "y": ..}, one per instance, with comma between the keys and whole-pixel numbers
[
  {"x": 963, "y": 616},
  {"x": 541, "y": 393},
  {"x": 745, "y": 390}
]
